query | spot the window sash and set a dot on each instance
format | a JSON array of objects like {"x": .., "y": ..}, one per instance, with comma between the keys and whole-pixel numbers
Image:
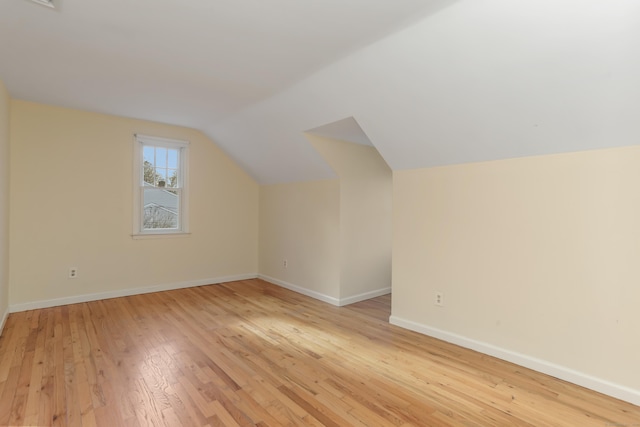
[{"x": 162, "y": 216}]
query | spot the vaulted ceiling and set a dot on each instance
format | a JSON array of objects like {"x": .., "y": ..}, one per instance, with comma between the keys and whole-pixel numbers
[{"x": 427, "y": 82}]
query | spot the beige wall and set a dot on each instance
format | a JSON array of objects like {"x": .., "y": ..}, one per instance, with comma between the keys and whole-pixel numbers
[
  {"x": 5, "y": 102},
  {"x": 539, "y": 256},
  {"x": 336, "y": 234},
  {"x": 365, "y": 215},
  {"x": 71, "y": 205},
  {"x": 299, "y": 222}
]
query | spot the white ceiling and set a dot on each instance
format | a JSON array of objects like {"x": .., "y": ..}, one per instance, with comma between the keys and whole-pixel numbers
[
  {"x": 345, "y": 130},
  {"x": 430, "y": 82},
  {"x": 182, "y": 61}
]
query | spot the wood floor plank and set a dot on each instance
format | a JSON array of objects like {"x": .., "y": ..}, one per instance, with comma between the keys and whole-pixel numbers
[
  {"x": 16, "y": 330},
  {"x": 249, "y": 353}
]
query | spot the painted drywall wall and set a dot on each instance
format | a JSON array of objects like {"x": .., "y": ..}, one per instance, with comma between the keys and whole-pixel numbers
[
  {"x": 334, "y": 234},
  {"x": 5, "y": 102},
  {"x": 365, "y": 215},
  {"x": 537, "y": 256},
  {"x": 299, "y": 222},
  {"x": 71, "y": 206}
]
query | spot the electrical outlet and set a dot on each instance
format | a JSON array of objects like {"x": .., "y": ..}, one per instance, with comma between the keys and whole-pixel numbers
[
  {"x": 285, "y": 263},
  {"x": 73, "y": 272},
  {"x": 439, "y": 300}
]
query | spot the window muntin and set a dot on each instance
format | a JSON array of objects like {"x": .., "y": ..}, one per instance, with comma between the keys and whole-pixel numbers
[{"x": 161, "y": 190}]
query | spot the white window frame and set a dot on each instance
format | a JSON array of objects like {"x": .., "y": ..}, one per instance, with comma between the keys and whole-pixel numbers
[{"x": 140, "y": 141}]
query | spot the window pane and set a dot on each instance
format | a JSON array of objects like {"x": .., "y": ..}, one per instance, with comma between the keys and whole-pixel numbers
[
  {"x": 148, "y": 154},
  {"x": 172, "y": 178},
  {"x": 161, "y": 177},
  {"x": 161, "y": 157},
  {"x": 172, "y": 161},
  {"x": 160, "y": 209},
  {"x": 149, "y": 173}
]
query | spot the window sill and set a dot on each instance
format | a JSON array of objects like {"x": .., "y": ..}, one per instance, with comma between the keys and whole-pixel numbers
[{"x": 159, "y": 236}]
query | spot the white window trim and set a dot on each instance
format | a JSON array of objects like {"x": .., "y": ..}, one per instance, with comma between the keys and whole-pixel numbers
[{"x": 138, "y": 177}]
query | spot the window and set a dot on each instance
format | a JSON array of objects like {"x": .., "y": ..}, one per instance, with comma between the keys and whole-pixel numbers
[{"x": 160, "y": 186}]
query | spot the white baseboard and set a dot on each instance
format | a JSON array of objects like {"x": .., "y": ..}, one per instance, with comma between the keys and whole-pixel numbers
[
  {"x": 579, "y": 378},
  {"x": 14, "y": 308},
  {"x": 339, "y": 302},
  {"x": 365, "y": 296},
  {"x": 3, "y": 320},
  {"x": 300, "y": 290}
]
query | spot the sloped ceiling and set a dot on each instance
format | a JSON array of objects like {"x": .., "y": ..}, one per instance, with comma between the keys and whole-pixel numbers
[
  {"x": 445, "y": 82},
  {"x": 345, "y": 130}
]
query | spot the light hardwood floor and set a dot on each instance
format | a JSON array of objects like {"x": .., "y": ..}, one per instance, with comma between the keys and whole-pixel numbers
[{"x": 250, "y": 353}]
